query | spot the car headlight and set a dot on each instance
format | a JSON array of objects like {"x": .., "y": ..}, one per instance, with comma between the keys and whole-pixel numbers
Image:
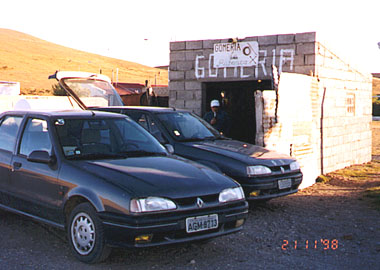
[
  {"x": 257, "y": 170},
  {"x": 231, "y": 194},
  {"x": 151, "y": 204},
  {"x": 294, "y": 166}
]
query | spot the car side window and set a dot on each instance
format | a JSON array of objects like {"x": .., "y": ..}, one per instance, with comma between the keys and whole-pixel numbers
[
  {"x": 147, "y": 122},
  {"x": 35, "y": 137},
  {"x": 155, "y": 131},
  {"x": 9, "y": 126},
  {"x": 142, "y": 121}
]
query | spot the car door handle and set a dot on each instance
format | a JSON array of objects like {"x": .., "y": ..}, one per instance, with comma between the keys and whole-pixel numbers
[{"x": 16, "y": 166}]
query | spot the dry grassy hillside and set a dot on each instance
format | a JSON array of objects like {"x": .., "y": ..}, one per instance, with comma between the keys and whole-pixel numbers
[{"x": 29, "y": 60}]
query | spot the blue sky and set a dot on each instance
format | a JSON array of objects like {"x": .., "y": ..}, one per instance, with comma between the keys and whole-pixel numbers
[{"x": 140, "y": 31}]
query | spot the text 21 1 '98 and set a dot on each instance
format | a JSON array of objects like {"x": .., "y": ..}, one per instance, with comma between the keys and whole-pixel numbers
[{"x": 324, "y": 244}]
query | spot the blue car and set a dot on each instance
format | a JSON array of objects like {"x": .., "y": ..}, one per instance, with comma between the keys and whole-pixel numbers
[
  {"x": 108, "y": 183},
  {"x": 263, "y": 174}
]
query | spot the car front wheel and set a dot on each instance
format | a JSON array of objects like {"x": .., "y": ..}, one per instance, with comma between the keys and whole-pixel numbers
[{"x": 86, "y": 235}]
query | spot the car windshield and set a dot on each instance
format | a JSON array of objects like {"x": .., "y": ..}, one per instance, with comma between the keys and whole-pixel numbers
[
  {"x": 93, "y": 92},
  {"x": 107, "y": 138},
  {"x": 184, "y": 126}
]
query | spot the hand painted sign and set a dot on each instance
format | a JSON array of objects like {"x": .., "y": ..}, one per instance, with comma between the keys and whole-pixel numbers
[
  {"x": 236, "y": 54},
  {"x": 206, "y": 69}
]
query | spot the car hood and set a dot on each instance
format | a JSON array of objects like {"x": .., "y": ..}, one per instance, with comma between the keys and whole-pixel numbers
[
  {"x": 245, "y": 152},
  {"x": 170, "y": 177}
]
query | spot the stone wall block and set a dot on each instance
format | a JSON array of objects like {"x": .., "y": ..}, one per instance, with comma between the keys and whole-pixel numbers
[
  {"x": 194, "y": 45},
  {"x": 191, "y": 104},
  {"x": 251, "y": 38},
  {"x": 197, "y": 94},
  {"x": 267, "y": 40},
  {"x": 305, "y": 48},
  {"x": 176, "y": 75},
  {"x": 193, "y": 85},
  {"x": 185, "y": 65},
  {"x": 190, "y": 75},
  {"x": 192, "y": 55},
  {"x": 177, "y": 56},
  {"x": 310, "y": 59},
  {"x": 285, "y": 39},
  {"x": 177, "y": 103},
  {"x": 299, "y": 60},
  {"x": 306, "y": 37},
  {"x": 185, "y": 95},
  {"x": 285, "y": 47},
  {"x": 176, "y": 85},
  {"x": 177, "y": 45},
  {"x": 173, "y": 65},
  {"x": 209, "y": 44},
  {"x": 269, "y": 50}
]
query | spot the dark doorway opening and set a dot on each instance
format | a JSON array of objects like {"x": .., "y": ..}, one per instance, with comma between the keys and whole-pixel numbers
[{"x": 238, "y": 100}]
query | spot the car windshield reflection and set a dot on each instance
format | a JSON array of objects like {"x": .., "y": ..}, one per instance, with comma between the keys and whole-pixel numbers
[
  {"x": 186, "y": 127},
  {"x": 93, "y": 92},
  {"x": 105, "y": 139}
]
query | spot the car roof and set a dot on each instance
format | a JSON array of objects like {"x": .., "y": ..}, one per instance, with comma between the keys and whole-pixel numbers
[
  {"x": 148, "y": 108},
  {"x": 64, "y": 113}
]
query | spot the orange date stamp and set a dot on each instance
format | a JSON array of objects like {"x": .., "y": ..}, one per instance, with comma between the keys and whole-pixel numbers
[{"x": 322, "y": 244}]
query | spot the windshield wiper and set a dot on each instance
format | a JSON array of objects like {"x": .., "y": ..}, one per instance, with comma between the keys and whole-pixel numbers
[
  {"x": 191, "y": 139},
  {"x": 142, "y": 153},
  {"x": 194, "y": 139},
  {"x": 211, "y": 138},
  {"x": 98, "y": 156}
]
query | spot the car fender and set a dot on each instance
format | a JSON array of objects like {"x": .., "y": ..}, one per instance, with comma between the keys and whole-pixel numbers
[{"x": 87, "y": 194}]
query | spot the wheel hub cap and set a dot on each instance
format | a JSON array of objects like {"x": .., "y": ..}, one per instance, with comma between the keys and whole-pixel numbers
[{"x": 83, "y": 233}]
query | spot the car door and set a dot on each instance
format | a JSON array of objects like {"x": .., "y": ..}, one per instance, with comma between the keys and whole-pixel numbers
[
  {"x": 9, "y": 127},
  {"x": 34, "y": 185}
]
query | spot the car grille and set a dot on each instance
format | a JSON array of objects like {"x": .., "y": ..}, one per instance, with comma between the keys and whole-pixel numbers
[
  {"x": 191, "y": 202},
  {"x": 280, "y": 169}
]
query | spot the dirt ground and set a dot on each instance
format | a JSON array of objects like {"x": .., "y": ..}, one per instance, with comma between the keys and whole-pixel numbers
[{"x": 326, "y": 226}]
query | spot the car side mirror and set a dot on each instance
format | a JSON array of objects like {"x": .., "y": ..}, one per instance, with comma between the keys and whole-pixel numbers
[
  {"x": 40, "y": 157},
  {"x": 169, "y": 148}
]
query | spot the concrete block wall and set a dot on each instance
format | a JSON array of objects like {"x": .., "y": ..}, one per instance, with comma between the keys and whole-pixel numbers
[
  {"x": 341, "y": 139},
  {"x": 191, "y": 64},
  {"x": 347, "y": 111},
  {"x": 296, "y": 131}
]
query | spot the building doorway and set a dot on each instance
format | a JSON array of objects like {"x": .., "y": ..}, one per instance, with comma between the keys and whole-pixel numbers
[{"x": 238, "y": 100}]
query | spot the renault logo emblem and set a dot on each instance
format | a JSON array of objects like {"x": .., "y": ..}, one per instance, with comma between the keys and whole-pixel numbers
[{"x": 200, "y": 202}]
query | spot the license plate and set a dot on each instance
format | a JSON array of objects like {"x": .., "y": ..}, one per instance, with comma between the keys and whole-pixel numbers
[
  {"x": 285, "y": 183},
  {"x": 201, "y": 223}
]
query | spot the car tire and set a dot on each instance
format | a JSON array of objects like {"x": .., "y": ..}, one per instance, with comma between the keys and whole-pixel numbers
[{"x": 86, "y": 234}]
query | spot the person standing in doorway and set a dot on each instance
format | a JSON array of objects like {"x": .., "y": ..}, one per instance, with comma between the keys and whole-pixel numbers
[{"x": 218, "y": 118}]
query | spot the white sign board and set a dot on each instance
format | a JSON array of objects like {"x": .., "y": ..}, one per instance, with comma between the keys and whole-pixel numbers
[{"x": 236, "y": 54}]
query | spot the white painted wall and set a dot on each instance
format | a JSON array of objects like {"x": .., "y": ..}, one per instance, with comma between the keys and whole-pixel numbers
[{"x": 8, "y": 103}]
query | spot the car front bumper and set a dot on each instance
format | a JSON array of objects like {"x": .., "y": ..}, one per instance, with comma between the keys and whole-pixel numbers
[
  {"x": 269, "y": 187},
  {"x": 170, "y": 228}
]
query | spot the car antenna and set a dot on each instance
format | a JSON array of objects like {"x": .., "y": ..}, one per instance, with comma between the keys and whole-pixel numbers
[
  {"x": 93, "y": 113},
  {"x": 174, "y": 109}
]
